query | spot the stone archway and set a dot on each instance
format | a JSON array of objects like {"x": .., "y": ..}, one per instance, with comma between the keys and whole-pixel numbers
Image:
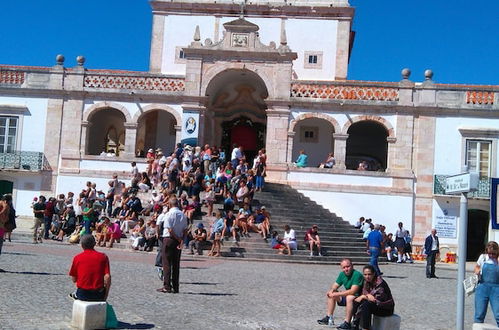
[
  {"x": 314, "y": 133},
  {"x": 382, "y": 121},
  {"x": 235, "y": 97},
  {"x": 90, "y": 111},
  {"x": 105, "y": 132}
]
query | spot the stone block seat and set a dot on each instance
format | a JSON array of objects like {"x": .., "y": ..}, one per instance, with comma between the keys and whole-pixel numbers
[
  {"x": 89, "y": 315},
  {"x": 386, "y": 322}
]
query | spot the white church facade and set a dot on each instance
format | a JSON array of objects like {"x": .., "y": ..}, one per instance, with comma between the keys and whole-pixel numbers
[{"x": 261, "y": 76}]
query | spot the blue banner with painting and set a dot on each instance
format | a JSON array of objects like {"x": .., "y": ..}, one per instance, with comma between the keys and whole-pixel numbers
[{"x": 494, "y": 207}]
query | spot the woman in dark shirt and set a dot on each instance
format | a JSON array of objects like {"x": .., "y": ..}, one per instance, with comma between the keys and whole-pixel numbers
[{"x": 376, "y": 298}]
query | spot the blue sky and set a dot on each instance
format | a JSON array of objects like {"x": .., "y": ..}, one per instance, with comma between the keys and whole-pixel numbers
[{"x": 458, "y": 40}]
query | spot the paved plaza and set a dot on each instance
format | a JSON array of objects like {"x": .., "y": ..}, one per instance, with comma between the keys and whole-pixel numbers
[{"x": 214, "y": 293}]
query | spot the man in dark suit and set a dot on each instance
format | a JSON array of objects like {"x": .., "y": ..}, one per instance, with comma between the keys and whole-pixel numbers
[{"x": 431, "y": 249}]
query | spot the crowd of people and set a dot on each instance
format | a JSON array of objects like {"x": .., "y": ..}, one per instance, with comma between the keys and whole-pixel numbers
[{"x": 199, "y": 176}]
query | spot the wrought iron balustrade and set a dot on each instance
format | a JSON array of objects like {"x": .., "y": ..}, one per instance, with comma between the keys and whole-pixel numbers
[
  {"x": 23, "y": 160},
  {"x": 439, "y": 182}
]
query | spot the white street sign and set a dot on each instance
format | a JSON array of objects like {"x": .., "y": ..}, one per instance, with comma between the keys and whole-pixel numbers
[{"x": 461, "y": 183}]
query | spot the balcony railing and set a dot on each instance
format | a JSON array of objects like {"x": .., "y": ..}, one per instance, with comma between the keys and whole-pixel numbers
[
  {"x": 23, "y": 161},
  {"x": 439, "y": 182}
]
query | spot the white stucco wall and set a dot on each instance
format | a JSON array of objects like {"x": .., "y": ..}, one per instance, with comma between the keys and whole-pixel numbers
[
  {"x": 383, "y": 209},
  {"x": 110, "y": 164},
  {"x": 351, "y": 180},
  {"x": 449, "y": 148},
  {"x": 32, "y": 136},
  {"x": 301, "y": 36}
]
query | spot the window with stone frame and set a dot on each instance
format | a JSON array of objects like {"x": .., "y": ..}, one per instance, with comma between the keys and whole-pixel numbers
[
  {"x": 179, "y": 55},
  {"x": 309, "y": 134},
  {"x": 478, "y": 156},
  {"x": 8, "y": 133},
  {"x": 313, "y": 60}
]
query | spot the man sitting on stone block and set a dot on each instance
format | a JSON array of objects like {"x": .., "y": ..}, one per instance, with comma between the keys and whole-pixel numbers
[
  {"x": 352, "y": 280},
  {"x": 90, "y": 272}
]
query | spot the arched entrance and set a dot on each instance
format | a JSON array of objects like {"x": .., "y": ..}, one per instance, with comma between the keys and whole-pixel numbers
[
  {"x": 156, "y": 129},
  {"x": 478, "y": 224},
  {"x": 106, "y": 132},
  {"x": 367, "y": 143},
  {"x": 236, "y": 111}
]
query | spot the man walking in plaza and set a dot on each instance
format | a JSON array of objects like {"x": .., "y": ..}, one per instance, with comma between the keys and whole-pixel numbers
[
  {"x": 431, "y": 249},
  {"x": 352, "y": 280},
  {"x": 38, "y": 211},
  {"x": 174, "y": 231},
  {"x": 375, "y": 245},
  {"x": 90, "y": 272}
]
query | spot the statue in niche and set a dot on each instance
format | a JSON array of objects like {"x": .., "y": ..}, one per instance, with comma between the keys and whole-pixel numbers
[{"x": 114, "y": 142}]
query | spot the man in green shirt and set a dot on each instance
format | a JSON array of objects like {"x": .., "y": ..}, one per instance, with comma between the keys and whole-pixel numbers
[{"x": 352, "y": 280}]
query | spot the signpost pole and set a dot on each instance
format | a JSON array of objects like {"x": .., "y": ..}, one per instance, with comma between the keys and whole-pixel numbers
[{"x": 462, "y": 238}]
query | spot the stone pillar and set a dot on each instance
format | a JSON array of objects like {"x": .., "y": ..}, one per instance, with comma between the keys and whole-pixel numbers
[
  {"x": 277, "y": 135},
  {"x": 157, "y": 39},
  {"x": 72, "y": 119},
  {"x": 390, "y": 152},
  {"x": 85, "y": 126},
  {"x": 342, "y": 49},
  {"x": 291, "y": 136},
  {"x": 178, "y": 134},
  {"x": 340, "y": 149},
  {"x": 52, "y": 132},
  {"x": 130, "y": 140}
]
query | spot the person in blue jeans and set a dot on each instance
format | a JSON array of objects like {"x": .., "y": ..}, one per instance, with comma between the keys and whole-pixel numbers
[
  {"x": 374, "y": 244},
  {"x": 487, "y": 268}
]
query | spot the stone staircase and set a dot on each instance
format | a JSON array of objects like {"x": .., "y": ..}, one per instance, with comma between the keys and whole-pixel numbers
[{"x": 287, "y": 206}]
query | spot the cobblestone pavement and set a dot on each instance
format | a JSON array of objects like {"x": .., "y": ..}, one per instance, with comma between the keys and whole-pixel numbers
[{"x": 214, "y": 293}]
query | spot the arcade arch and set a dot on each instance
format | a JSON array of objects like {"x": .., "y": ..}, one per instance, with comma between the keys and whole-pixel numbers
[
  {"x": 367, "y": 144},
  {"x": 156, "y": 128},
  {"x": 105, "y": 131},
  {"x": 314, "y": 134}
]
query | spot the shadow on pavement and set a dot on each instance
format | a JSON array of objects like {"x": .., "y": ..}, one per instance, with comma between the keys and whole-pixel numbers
[
  {"x": 30, "y": 273},
  {"x": 210, "y": 294},
  {"x": 18, "y": 253},
  {"x": 392, "y": 276},
  {"x": 199, "y": 283},
  {"x": 192, "y": 267},
  {"x": 125, "y": 325}
]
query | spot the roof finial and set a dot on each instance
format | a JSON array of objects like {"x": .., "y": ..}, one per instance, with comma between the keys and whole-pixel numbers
[
  {"x": 241, "y": 13},
  {"x": 197, "y": 34}
]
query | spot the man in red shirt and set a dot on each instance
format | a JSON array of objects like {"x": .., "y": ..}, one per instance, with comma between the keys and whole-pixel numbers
[{"x": 90, "y": 271}]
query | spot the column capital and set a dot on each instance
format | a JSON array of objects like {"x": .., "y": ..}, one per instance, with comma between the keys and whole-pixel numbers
[
  {"x": 391, "y": 139},
  {"x": 193, "y": 107},
  {"x": 177, "y": 127},
  {"x": 340, "y": 136},
  {"x": 131, "y": 125},
  {"x": 278, "y": 111},
  {"x": 291, "y": 133}
]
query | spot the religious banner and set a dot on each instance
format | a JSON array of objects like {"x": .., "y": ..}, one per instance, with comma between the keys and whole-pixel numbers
[
  {"x": 190, "y": 128},
  {"x": 446, "y": 226},
  {"x": 494, "y": 207}
]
